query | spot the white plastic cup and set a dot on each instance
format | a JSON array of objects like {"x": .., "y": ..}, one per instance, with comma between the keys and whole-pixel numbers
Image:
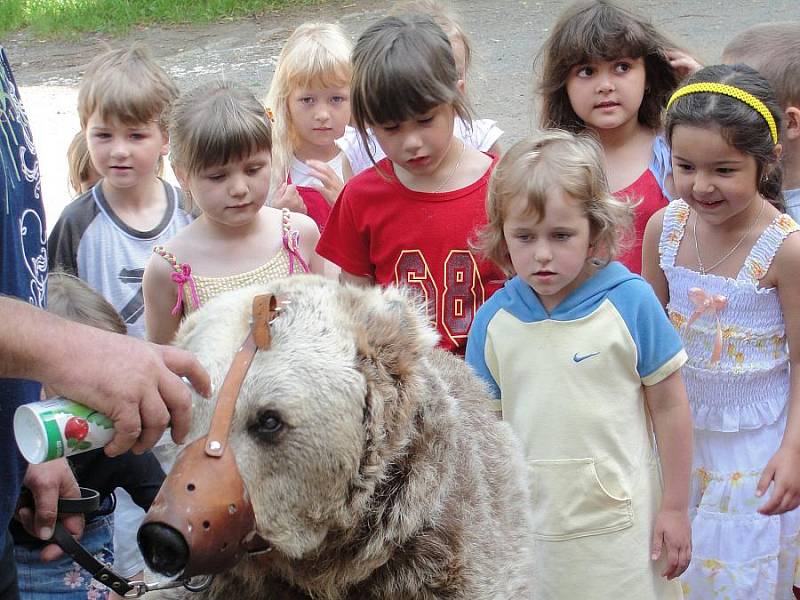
[{"x": 59, "y": 427}]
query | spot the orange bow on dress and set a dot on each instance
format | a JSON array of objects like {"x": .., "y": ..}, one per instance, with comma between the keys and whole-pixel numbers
[{"x": 712, "y": 304}]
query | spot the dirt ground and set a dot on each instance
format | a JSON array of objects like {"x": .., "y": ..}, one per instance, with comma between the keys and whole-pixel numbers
[{"x": 505, "y": 34}]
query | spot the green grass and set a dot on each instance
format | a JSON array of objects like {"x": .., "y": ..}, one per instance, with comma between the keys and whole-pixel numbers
[{"x": 69, "y": 18}]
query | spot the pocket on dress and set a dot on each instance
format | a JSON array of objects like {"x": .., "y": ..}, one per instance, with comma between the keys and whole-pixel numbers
[{"x": 570, "y": 501}]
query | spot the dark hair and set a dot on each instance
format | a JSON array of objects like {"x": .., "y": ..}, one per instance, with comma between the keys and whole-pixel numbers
[
  {"x": 740, "y": 125},
  {"x": 403, "y": 66},
  {"x": 600, "y": 30},
  {"x": 215, "y": 123}
]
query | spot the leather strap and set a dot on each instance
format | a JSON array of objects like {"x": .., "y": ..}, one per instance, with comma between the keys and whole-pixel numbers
[
  {"x": 89, "y": 502},
  {"x": 264, "y": 310},
  {"x": 80, "y": 555}
]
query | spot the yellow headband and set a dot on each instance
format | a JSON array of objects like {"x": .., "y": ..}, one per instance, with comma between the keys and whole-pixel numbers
[{"x": 733, "y": 92}]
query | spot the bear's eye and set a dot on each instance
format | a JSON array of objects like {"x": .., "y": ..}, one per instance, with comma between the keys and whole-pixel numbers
[{"x": 268, "y": 425}]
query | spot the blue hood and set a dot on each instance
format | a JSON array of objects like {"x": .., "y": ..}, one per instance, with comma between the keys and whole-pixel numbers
[{"x": 582, "y": 301}]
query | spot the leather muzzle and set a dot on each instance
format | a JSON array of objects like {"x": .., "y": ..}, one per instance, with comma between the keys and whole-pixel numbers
[{"x": 202, "y": 521}]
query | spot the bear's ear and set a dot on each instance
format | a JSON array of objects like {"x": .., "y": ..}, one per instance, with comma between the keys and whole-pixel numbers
[
  {"x": 393, "y": 341},
  {"x": 391, "y": 330}
]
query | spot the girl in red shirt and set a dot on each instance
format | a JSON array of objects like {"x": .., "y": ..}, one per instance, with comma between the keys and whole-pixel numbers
[
  {"x": 609, "y": 71},
  {"x": 409, "y": 219}
]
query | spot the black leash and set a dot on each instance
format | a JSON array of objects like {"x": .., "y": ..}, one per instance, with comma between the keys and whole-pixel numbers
[{"x": 89, "y": 502}]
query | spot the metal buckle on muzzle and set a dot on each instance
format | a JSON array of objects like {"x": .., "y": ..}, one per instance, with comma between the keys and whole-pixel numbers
[{"x": 202, "y": 521}]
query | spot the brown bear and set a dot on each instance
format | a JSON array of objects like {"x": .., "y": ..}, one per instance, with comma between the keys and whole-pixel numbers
[{"x": 374, "y": 466}]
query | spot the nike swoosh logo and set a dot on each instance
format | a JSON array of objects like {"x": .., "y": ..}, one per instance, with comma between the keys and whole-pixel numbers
[{"x": 578, "y": 359}]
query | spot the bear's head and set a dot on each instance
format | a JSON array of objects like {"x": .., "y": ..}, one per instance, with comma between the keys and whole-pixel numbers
[{"x": 324, "y": 411}]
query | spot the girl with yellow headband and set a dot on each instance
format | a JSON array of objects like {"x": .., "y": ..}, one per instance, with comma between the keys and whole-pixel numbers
[{"x": 724, "y": 260}]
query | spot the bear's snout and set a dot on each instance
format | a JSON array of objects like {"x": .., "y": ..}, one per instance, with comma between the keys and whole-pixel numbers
[{"x": 163, "y": 548}]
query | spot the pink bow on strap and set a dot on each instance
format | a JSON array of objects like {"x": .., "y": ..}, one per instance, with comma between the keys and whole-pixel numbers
[
  {"x": 183, "y": 277},
  {"x": 712, "y": 304},
  {"x": 291, "y": 240}
]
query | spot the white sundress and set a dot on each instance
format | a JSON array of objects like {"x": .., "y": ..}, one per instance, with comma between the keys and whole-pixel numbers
[{"x": 737, "y": 379}]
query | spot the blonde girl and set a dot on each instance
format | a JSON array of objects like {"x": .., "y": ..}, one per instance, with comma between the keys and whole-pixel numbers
[
  {"x": 310, "y": 102},
  {"x": 724, "y": 261},
  {"x": 82, "y": 174},
  {"x": 221, "y": 140},
  {"x": 585, "y": 367},
  {"x": 608, "y": 71},
  {"x": 408, "y": 221},
  {"x": 483, "y": 134}
]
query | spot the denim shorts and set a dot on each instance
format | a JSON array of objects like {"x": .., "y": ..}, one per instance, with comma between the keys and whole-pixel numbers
[{"x": 64, "y": 579}]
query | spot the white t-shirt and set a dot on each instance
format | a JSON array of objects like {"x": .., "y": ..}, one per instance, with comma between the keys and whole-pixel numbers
[
  {"x": 301, "y": 173},
  {"x": 483, "y": 134}
]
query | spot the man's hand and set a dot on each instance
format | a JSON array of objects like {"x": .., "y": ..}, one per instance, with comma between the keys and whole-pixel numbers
[
  {"x": 138, "y": 386},
  {"x": 48, "y": 482}
]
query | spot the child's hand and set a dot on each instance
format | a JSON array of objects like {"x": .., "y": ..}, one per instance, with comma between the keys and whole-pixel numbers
[
  {"x": 784, "y": 469},
  {"x": 673, "y": 532},
  {"x": 48, "y": 482},
  {"x": 331, "y": 184},
  {"x": 682, "y": 63},
  {"x": 287, "y": 196}
]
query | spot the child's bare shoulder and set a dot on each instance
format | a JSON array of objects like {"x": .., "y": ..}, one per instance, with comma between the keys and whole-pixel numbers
[
  {"x": 656, "y": 221},
  {"x": 304, "y": 224}
]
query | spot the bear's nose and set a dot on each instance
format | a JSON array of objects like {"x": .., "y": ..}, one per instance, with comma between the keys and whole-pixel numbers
[{"x": 163, "y": 548}]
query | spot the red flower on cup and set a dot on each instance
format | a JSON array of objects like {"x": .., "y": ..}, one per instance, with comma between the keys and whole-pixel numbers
[{"x": 76, "y": 428}]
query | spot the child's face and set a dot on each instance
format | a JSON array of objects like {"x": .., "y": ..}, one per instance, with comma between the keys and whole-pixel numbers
[
  {"x": 319, "y": 115},
  {"x": 714, "y": 178},
  {"x": 607, "y": 94},
  {"x": 550, "y": 255},
  {"x": 126, "y": 155},
  {"x": 418, "y": 145},
  {"x": 232, "y": 194}
]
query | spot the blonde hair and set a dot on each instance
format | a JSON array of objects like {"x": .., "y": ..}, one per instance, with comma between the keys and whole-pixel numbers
[
  {"x": 444, "y": 18},
  {"x": 532, "y": 169},
  {"x": 79, "y": 163},
  {"x": 127, "y": 85},
  {"x": 72, "y": 299},
  {"x": 315, "y": 54},
  {"x": 772, "y": 49}
]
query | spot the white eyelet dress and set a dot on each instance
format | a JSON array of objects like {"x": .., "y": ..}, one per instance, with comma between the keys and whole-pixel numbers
[{"x": 737, "y": 378}]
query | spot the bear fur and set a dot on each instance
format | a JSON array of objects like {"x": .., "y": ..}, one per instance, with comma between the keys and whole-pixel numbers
[{"x": 389, "y": 477}]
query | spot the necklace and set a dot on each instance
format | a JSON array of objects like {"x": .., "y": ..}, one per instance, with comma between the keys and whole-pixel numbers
[
  {"x": 453, "y": 170},
  {"x": 704, "y": 270}
]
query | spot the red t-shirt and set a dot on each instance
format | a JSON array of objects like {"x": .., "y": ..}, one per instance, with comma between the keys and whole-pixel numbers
[
  {"x": 382, "y": 229},
  {"x": 316, "y": 206},
  {"x": 653, "y": 199}
]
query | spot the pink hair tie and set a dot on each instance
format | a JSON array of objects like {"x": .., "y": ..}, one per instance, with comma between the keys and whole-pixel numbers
[{"x": 183, "y": 277}]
